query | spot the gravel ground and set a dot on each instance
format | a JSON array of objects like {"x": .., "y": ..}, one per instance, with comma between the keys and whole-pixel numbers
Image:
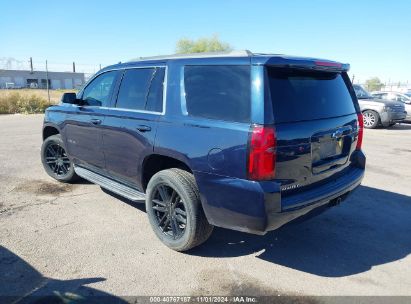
[{"x": 59, "y": 238}]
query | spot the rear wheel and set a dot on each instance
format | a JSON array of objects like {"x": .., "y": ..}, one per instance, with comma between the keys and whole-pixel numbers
[
  {"x": 174, "y": 210},
  {"x": 371, "y": 119},
  {"x": 55, "y": 160}
]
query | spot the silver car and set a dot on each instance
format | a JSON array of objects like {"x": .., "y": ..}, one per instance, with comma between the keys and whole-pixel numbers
[
  {"x": 378, "y": 112},
  {"x": 395, "y": 96}
]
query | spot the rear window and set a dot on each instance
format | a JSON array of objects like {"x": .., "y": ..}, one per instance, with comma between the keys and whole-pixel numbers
[
  {"x": 299, "y": 95},
  {"x": 218, "y": 92}
]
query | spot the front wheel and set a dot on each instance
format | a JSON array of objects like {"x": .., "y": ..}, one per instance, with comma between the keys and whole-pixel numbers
[
  {"x": 55, "y": 160},
  {"x": 174, "y": 210},
  {"x": 371, "y": 119}
]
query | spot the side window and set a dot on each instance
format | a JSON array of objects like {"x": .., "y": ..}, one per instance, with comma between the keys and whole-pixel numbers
[
  {"x": 218, "y": 92},
  {"x": 142, "y": 89},
  {"x": 98, "y": 92}
]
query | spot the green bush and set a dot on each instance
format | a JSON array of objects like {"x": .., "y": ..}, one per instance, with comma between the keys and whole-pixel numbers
[{"x": 14, "y": 102}]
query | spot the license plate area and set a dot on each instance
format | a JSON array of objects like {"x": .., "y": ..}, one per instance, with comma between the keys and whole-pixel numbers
[{"x": 330, "y": 150}]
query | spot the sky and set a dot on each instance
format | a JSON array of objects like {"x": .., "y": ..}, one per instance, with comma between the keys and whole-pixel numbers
[{"x": 374, "y": 36}]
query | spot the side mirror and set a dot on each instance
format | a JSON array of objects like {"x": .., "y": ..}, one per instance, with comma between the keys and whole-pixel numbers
[{"x": 70, "y": 98}]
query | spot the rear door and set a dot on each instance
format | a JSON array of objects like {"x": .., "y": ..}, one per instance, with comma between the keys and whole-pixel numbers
[
  {"x": 130, "y": 127},
  {"x": 315, "y": 117}
]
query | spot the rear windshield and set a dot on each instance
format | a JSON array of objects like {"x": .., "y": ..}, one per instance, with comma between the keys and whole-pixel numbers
[{"x": 299, "y": 95}]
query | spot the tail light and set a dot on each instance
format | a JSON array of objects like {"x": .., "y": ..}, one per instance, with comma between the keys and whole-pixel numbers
[
  {"x": 262, "y": 153},
  {"x": 360, "y": 125}
]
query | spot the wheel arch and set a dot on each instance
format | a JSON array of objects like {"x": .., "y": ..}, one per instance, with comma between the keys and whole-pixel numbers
[
  {"x": 49, "y": 130},
  {"x": 369, "y": 109},
  {"x": 154, "y": 163}
]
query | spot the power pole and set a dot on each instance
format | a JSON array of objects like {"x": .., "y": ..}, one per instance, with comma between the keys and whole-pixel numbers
[
  {"x": 353, "y": 77},
  {"x": 47, "y": 79},
  {"x": 74, "y": 67},
  {"x": 31, "y": 65}
]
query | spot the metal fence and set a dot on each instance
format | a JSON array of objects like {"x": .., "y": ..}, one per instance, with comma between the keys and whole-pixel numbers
[{"x": 89, "y": 69}]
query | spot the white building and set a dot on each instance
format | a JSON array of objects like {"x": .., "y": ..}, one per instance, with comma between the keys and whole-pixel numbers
[{"x": 38, "y": 79}]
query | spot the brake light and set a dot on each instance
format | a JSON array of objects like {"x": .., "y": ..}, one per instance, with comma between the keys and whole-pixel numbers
[
  {"x": 328, "y": 64},
  {"x": 360, "y": 125},
  {"x": 262, "y": 153}
]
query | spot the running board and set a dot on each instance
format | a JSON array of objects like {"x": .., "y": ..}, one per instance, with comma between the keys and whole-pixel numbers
[{"x": 109, "y": 184}]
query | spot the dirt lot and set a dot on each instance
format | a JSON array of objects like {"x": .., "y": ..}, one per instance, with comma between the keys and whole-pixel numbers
[{"x": 59, "y": 238}]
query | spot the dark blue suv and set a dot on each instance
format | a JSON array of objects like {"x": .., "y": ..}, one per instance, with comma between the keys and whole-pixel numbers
[{"x": 236, "y": 140}]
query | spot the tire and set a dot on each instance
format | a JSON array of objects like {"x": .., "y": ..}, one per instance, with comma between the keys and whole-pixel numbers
[
  {"x": 371, "y": 119},
  {"x": 174, "y": 210},
  {"x": 55, "y": 160}
]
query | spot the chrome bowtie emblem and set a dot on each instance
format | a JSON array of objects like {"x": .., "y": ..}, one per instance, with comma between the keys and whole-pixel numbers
[{"x": 337, "y": 134}]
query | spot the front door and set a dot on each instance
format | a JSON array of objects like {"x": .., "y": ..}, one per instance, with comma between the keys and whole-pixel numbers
[{"x": 83, "y": 125}]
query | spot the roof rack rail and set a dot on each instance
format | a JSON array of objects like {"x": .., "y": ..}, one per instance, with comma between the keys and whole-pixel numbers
[{"x": 239, "y": 53}]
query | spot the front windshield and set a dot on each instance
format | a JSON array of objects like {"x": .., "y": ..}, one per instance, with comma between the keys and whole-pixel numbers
[
  {"x": 361, "y": 93},
  {"x": 405, "y": 98}
]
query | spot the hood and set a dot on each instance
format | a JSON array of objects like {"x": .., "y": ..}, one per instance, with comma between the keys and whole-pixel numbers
[{"x": 383, "y": 101}]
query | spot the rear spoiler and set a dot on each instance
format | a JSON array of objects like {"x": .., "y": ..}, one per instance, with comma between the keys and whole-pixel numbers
[{"x": 308, "y": 64}]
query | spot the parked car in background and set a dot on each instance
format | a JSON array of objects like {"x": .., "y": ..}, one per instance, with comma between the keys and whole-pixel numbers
[
  {"x": 379, "y": 112},
  {"x": 395, "y": 96}
]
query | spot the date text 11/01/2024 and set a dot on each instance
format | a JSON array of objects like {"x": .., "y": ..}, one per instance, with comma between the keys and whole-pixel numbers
[{"x": 204, "y": 299}]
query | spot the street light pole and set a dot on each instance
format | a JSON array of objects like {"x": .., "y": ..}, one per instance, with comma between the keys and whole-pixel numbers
[{"x": 47, "y": 79}]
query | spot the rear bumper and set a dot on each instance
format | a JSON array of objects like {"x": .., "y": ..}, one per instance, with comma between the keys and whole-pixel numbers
[
  {"x": 258, "y": 207},
  {"x": 310, "y": 200}
]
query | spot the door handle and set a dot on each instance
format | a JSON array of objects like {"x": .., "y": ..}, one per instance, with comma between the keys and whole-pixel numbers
[
  {"x": 95, "y": 121},
  {"x": 143, "y": 128}
]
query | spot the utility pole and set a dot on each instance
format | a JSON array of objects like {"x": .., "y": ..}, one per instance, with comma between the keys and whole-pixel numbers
[
  {"x": 47, "y": 79},
  {"x": 100, "y": 66},
  {"x": 74, "y": 67},
  {"x": 353, "y": 77},
  {"x": 31, "y": 65}
]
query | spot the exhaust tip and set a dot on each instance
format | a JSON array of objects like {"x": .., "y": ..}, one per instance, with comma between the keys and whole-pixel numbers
[{"x": 336, "y": 201}]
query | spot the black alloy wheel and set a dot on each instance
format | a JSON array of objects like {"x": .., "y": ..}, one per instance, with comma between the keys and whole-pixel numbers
[
  {"x": 174, "y": 210},
  {"x": 56, "y": 161},
  {"x": 170, "y": 211}
]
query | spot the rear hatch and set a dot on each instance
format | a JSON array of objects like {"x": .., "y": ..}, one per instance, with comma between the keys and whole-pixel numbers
[{"x": 316, "y": 125}]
